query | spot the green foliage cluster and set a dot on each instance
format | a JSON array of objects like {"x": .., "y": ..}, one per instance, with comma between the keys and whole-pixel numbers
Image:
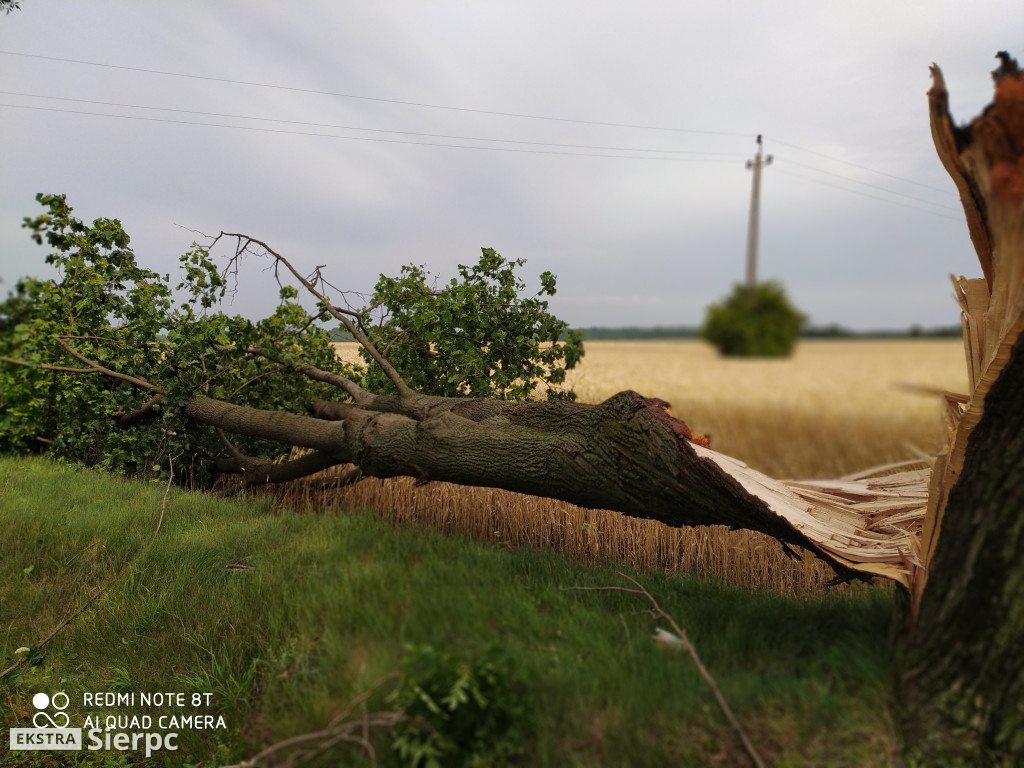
[
  {"x": 758, "y": 322},
  {"x": 114, "y": 313},
  {"x": 475, "y": 337},
  {"x": 470, "y": 713}
]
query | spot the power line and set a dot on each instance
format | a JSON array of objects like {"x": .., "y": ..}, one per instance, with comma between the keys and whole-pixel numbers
[
  {"x": 461, "y": 138},
  {"x": 654, "y": 154},
  {"x": 732, "y": 155},
  {"x": 872, "y": 186},
  {"x": 368, "y": 98},
  {"x": 704, "y": 159},
  {"x": 862, "y": 167},
  {"x": 866, "y": 194},
  {"x": 465, "y": 110}
]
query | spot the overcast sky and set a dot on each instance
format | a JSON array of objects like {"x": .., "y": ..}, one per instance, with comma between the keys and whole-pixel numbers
[{"x": 604, "y": 141}]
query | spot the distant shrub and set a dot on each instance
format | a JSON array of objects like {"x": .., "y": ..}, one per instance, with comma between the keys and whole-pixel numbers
[{"x": 758, "y": 322}]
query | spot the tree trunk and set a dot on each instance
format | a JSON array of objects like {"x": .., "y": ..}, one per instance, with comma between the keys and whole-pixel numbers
[
  {"x": 960, "y": 692},
  {"x": 961, "y": 670},
  {"x": 626, "y": 454}
]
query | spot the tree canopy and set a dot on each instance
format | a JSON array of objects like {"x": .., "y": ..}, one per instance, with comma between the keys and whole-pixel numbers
[{"x": 105, "y": 346}]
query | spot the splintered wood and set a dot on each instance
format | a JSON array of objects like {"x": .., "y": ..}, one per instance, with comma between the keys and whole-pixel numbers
[
  {"x": 870, "y": 523},
  {"x": 986, "y": 162}
]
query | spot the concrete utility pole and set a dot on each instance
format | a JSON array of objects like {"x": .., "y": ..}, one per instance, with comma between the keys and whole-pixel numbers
[{"x": 755, "y": 211}]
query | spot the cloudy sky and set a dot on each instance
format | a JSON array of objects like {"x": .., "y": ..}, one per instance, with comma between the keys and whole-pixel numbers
[{"x": 604, "y": 141}]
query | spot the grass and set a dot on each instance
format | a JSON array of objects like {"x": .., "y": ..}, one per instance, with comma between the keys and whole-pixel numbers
[
  {"x": 833, "y": 408},
  {"x": 328, "y": 600}
]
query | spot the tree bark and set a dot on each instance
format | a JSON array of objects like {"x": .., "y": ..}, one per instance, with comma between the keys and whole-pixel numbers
[
  {"x": 961, "y": 673},
  {"x": 626, "y": 454},
  {"x": 960, "y": 689}
]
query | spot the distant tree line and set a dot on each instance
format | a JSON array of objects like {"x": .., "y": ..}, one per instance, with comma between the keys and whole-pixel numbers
[{"x": 831, "y": 331}]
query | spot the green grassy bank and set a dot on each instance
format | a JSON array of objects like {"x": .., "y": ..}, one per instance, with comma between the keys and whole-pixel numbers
[{"x": 281, "y": 617}]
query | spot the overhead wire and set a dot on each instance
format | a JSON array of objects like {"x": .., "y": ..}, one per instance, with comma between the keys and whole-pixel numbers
[
  {"x": 637, "y": 153},
  {"x": 259, "y": 129},
  {"x": 732, "y": 155},
  {"x": 868, "y": 184},
  {"x": 868, "y": 194},
  {"x": 338, "y": 94},
  {"x": 858, "y": 165}
]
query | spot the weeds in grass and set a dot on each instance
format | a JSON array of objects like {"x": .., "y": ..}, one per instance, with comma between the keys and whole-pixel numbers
[
  {"x": 216, "y": 673},
  {"x": 460, "y": 711}
]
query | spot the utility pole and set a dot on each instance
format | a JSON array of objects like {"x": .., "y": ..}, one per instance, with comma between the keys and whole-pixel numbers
[{"x": 755, "y": 210}]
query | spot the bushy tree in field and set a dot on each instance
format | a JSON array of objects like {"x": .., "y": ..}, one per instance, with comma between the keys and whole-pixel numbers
[{"x": 754, "y": 322}]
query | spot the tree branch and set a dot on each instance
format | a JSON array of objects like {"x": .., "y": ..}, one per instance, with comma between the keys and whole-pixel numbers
[
  {"x": 146, "y": 411},
  {"x": 95, "y": 367},
  {"x": 626, "y": 454},
  {"x": 336, "y": 312},
  {"x": 305, "y": 747},
  {"x": 682, "y": 641},
  {"x": 259, "y": 472},
  {"x": 353, "y": 390}
]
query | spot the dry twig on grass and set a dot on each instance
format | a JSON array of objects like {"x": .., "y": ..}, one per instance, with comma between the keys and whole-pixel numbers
[
  {"x": 299, "y": 750},
  {"x": 680, "y": 641}
]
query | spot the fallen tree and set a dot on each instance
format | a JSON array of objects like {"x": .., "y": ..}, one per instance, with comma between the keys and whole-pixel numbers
[{"x": 949, "y": 533}]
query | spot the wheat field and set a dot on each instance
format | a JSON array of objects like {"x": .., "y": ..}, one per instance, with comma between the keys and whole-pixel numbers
[{"x": 833, "y": 408}]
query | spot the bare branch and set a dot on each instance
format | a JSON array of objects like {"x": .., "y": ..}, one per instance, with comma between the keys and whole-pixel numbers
[
  {"x": 307, "y": 746},
  {"x": 245, "y": 384},
  {"x": 69, "y": 618},
  {"x": 95, "y": 367},
  {"x": 343, "y": 316},
  {"x": 357, "y": 393},
  {"x": 260, "y": 472},
  {"x": 235, "y": 453},
  {"x": 680, "y": 639},
  {"x": 351, "y": 477},
  {"x": 95, "y": 595},
  {"x": 167, "y": 490},
  {"x": 46, "y": 366}
]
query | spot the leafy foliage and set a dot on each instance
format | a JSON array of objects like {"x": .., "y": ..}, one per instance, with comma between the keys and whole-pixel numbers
[
  {"x": 102, "y": 310},
  {"x": 105, "y": 305},
  {"x": 118, "y": 315},
  {"x": 459, "y": 712},
  {"x": 476, "y": 336},
  {"x": 754, "y": 323}
]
